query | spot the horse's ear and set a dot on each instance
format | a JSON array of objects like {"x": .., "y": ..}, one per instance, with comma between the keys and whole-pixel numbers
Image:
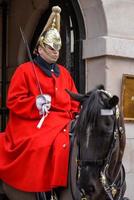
[
  {"x": 77, "y": 97},
  {"x": 113, "y": 101},
  {"x": 100, "y": 87}
]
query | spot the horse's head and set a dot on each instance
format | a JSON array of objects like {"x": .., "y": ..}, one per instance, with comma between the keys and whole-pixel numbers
[{"x": 98, "y": 129}]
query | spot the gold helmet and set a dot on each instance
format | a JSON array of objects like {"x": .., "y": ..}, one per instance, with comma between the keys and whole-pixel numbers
[{"x": 51, "y": 32}]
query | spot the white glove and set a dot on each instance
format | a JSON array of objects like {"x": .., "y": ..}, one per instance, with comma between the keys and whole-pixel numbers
[{"x": 43, "y": 103}]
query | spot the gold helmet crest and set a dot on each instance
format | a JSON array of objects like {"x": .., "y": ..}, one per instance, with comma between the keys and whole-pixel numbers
[{"x": 51, "y": 32}]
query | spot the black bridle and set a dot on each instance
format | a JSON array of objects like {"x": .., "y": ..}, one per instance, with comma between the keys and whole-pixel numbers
[{"x": 109, "y": 188}]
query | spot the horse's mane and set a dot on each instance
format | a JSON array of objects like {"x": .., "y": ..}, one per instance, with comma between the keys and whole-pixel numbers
[{"x": 89, "y": 111}]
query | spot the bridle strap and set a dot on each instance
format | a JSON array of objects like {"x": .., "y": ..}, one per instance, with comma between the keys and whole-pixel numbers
[{"x": 111, "y": 189}]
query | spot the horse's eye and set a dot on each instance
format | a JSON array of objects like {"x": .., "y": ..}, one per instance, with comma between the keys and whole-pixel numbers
[
  {"x": 107, "y": 123},
  {"x": 108, "y": 120}
]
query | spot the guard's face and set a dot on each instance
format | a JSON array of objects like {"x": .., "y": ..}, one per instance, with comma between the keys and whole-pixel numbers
[{"x": 49, "y": 54}]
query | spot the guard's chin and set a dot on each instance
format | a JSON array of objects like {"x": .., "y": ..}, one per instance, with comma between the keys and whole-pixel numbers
[{"x": 54, "y": 60}]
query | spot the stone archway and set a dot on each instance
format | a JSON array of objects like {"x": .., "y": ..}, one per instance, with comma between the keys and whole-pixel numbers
[{"x": 38, "y": 8}]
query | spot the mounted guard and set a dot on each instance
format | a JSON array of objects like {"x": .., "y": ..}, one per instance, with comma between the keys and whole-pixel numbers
[{"x": 34, "y": 149}]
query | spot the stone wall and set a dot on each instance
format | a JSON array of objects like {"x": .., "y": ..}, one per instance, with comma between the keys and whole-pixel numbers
[{"x": 109, "y": 53}]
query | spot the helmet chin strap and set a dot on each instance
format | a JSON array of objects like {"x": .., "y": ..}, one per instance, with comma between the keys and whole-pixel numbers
[{"x": 50, "y": 58}]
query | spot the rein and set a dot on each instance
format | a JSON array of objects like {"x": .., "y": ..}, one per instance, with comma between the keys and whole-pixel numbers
[{"x": 111, "y": 189}]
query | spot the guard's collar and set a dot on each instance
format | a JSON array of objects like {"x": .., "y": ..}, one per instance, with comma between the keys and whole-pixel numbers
[{"x": 47, "y": 68}]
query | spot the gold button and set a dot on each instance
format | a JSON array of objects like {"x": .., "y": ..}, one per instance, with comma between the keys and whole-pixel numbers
[{"x": 64, "y": 145}]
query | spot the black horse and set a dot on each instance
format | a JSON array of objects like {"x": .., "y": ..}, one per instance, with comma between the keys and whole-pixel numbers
[
  {"x": 100, "y": 140},
  {"x": 95, "y": 169}
]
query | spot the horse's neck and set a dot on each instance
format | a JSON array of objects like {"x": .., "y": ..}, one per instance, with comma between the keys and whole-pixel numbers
[{"x": 71, "y": 191}]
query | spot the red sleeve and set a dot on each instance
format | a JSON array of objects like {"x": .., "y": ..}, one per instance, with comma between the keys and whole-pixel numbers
[{"x": 20, "y": 100}]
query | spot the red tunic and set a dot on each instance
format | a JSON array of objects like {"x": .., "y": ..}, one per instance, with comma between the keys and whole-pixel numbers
[{"x": 33, "y": 159}]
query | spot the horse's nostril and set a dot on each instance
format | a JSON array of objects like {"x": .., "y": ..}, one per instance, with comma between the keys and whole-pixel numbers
[{"x": 91, "y": 189}]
